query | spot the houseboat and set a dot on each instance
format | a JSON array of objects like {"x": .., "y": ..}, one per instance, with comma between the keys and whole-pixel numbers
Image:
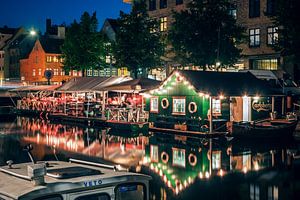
[
  {"x": 70, "y": 180},
  {"x": 186, "y": 99}
]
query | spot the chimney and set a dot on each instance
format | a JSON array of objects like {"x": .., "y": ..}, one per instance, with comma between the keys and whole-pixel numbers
[{"x": 48, "y": 25}]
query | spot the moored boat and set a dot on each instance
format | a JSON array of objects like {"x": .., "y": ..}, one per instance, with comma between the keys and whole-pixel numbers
[
  {"x": 266, "y": 129},
  {"x": 70, "y": 180}
]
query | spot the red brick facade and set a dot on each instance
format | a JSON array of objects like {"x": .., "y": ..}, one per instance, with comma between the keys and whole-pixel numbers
[{"x": 32, "y": 69}]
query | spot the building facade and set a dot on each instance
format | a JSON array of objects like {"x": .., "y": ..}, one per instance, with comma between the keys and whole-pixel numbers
[
  {"x": 45, "y": 55},
  {"x": 254, "y": 15}
]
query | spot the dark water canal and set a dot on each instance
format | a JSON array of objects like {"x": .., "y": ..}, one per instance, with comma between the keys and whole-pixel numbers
[{"x": 181, "y": 167}]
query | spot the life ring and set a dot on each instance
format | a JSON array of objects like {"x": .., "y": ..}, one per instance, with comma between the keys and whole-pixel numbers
[
  {"x": 193, "y": 107},
  {"x": 193, "y": 159},
  {"x": 164, "y": 157},
  {"x": 164, "y": 103}
]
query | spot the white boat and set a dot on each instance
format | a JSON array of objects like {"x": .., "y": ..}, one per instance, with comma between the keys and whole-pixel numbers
[{"x": 74, "y": 180}]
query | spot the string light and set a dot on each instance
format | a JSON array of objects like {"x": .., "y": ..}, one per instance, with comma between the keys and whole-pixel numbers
[{"x": 207, "y": 96}]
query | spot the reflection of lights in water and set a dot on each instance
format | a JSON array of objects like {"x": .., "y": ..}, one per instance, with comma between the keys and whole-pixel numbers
[
  {"x": 190, "y": 180},
  {"x": 256, "y": 167},
  {"x": 176, "y": 190},
  {"x": 165, "y": 179},
  {"x": 151, "y": 166},
  {"x": 221, "y": 173},
  {"x": 207, "y": 175},
  {"x": 180, "y": 187},
  {"x": 38, "y": 138},
  {"x": 160, "y": 172},
  {"x": 185, "y": 183},
  {"x": 245, "y": 170},
  {"x": 173, "y": 176},
  {"x": 169, "y": 184},
  {"x": 200, "y": 175},
  {"x": 169, "y": 171}
]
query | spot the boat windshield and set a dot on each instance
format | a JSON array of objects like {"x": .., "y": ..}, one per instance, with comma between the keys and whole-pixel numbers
[
  {"x": 101, "y": 196},
  {"x": 130, "y": 191}
]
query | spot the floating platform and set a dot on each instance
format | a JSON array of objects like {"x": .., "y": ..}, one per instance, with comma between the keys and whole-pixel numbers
[{"x": 188, "y": 133}]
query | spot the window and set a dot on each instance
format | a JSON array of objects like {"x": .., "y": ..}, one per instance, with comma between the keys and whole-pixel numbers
[
  {"x": 272, "y": 35},
  {"x": 216, "y": 159},
  {"x": 273, "y": 193},
  {"x": 154, "y": 153},
  {"x": 270, "y": 7},
  {"x": 55, "y": 72},
  {"x": 178, "y": 157},
  {"x": 265, "y": 64},
  {"x": 254, "y": 8},
  {"x": 96, "y": 73},
  {"x": 154, "y": 105},
  {"x": 62, "y": 72},
  {"x": 152, "y": 5},
  {"x": 101, "y": 196},
  {"x": 89, "y": 72},
  {"x": 254, "y": 37},
  {"x": 163, "y": 24},
  {"x": 33, "y": 72},
  {"x": 163, "y": 4},
  {"x": 179, "y": 105},
  {"x": 131, "y": 191},
  {"x": 40, "y": 71},
  {"x": 232, "y": 12},
  {"x": 179, "y": 2},
  {"x": 216, "y": 106},
  {"x": 254, "y": 192},
  {"x": 74, "y": 72},
  {"x": 49, "y": 59},
  {"x": 55, "y": 59}
]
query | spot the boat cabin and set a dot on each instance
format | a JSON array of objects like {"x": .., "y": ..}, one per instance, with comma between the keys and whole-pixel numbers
[
  {"x": 187, "y": 99},
  {"x": 75, "y": 180}
]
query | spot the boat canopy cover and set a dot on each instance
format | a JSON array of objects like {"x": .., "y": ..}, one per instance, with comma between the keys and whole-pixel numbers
[
  {"x": 136, "y": 85},
  {"x": 229, "y": 83},
  {"x": 90, "y": 84}
]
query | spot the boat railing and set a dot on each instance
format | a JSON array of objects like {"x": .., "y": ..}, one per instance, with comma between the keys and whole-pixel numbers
[{"x": 84, "y": 162}]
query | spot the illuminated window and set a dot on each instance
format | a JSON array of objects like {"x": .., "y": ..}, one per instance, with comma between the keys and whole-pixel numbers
[
  {"x": 40, "y": 72},
  {"x": 96, "y": 73},
  {"x": 265, "y": 64},
  {"x": 89, "y": 72},
  {"x": 179, "y": 2},
  {"x": 273, "y": 193},
  {"x": 154, "y": 104},
  {"x": 48, "y": 59},
  {"x": 55, "y": 59},
  {"x": 232, "y": 12},
  {"x": 152, "y": 5},
  {"x": 61, "y": 60},
  {"x": 33, "y": 72},
  {"x": 55, "y": 72},
  {"x": 254, "y": 37},
  {"x": 74, "y": 72},
  {"x": 163, "y": 4},
  {"x": 216, "y": 159},
  {"x": 163, "y": 24},
  {"x": 216, "y": 105},
  {"x": 179, "y": 105},
  {"x": 178, "y": 157},
  {"x": 62, "y": 72},
  {"x": 254, "y": 8},
  {"x": 272, "y": 35},
  {"x": 154, "y": 153},
  {"x": 254, "y": 192}
]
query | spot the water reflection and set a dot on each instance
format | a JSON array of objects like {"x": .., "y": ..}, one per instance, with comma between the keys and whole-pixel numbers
[{"x": 181, "y": 167}]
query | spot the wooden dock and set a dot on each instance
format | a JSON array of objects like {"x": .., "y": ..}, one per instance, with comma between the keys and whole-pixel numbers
[{"x": 188, "y": 133}]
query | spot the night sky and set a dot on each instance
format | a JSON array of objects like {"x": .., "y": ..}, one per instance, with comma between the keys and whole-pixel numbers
[{"x": 33, "y": 13}]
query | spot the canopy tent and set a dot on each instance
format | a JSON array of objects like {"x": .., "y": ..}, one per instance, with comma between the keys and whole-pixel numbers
[
  {"x": 35, "y": 88},
  {"x": 90, "y": 84},
  {"x": 229, "y": 83},
  {"x": 134, "y": 86}
]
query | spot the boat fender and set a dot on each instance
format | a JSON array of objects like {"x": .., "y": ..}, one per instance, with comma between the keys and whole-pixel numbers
[
  {"x": 164, "y": 103},
  {"x": 164, "y": 157},
  {"x": 192, "y": 159},
  {"x": 193, "y": 107}
]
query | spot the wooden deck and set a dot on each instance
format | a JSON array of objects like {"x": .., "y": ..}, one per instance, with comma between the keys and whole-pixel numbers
[{"x": 188, "y": 133}]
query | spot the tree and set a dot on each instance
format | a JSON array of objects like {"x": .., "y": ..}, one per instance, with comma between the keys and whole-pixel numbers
[
  {"x": 83, "y": 47},
  {"x": 287, "y": 19},
  {"x": 138, "y": 44},
  {"x": 206, "y": 34}
]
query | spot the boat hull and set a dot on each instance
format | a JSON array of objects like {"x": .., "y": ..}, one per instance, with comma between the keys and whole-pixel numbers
[{"x": 246, "y": 130}]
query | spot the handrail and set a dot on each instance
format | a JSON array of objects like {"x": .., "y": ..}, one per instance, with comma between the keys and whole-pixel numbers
[{"x": 72, "y": 160}]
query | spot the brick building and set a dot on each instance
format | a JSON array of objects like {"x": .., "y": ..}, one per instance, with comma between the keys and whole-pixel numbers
[
  {"x": 254, "y": 15},
  {"x": 45, "y": 55}
]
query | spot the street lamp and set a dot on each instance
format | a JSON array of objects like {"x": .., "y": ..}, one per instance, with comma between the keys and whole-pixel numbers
[{"x": 32, "y": 32}]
